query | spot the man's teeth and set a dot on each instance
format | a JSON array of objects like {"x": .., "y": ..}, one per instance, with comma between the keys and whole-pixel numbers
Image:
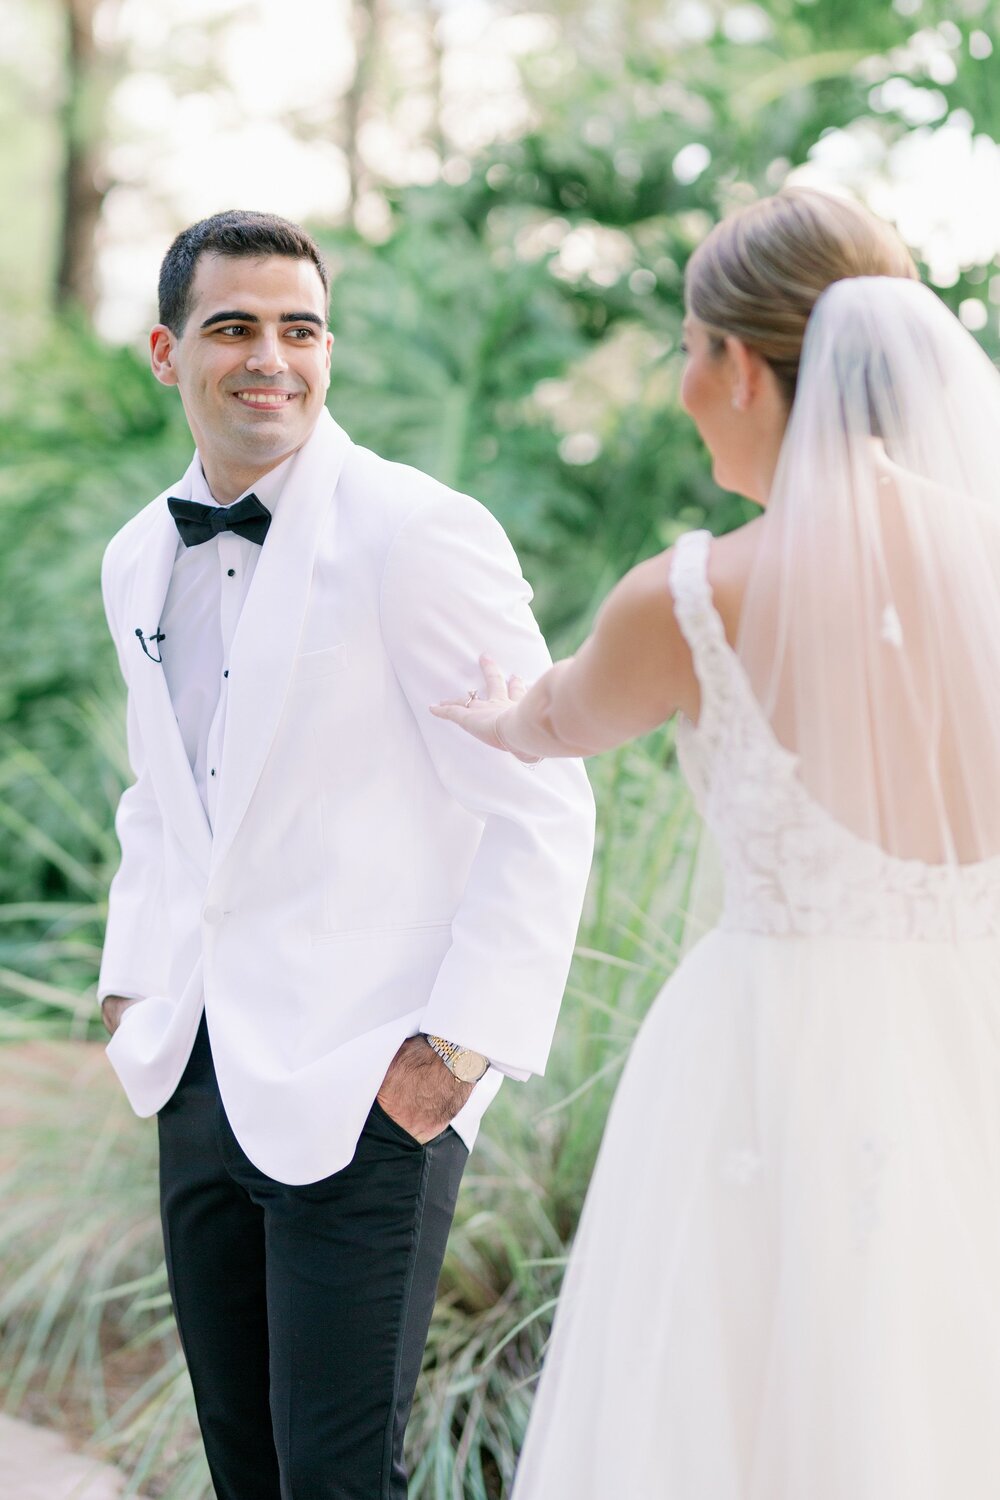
[{"x": 273, "y": 398}]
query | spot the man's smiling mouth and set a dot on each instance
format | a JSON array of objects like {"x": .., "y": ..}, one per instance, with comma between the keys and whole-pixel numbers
[{"x": 264, "y": 398}]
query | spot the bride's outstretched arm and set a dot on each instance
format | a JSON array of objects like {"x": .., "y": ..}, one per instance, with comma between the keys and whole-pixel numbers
[{"x": 632, "y": 673}]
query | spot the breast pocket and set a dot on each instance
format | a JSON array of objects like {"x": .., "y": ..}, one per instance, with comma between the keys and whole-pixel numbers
[{"x": 312, "y": 666}]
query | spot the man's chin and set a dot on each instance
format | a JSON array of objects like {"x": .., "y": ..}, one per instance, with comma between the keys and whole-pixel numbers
[{"x": 270, "y": 437}]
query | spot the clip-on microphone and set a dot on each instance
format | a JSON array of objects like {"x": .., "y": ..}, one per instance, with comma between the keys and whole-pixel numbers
[{"x": 155, "y": 640}]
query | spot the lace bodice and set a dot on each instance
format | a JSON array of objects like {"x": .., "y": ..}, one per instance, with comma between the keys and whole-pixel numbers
[{"x": 789, "y": 867}]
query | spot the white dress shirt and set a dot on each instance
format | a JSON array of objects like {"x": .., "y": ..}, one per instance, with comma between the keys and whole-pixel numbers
[{"x": 208, "y": 587}]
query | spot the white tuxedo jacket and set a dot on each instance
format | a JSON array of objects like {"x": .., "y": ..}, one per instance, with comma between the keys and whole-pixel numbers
[{"x": 373, "y": 870}]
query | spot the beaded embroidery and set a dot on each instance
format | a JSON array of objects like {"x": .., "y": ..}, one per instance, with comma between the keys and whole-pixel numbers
[{"x": 789, "y": 867}]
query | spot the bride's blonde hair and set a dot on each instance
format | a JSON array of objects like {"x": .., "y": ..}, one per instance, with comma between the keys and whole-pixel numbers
[{"x": 759, "y": 271}]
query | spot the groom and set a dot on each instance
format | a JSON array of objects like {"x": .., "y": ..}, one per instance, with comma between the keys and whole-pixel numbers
[{"x": 336, "y": 924}]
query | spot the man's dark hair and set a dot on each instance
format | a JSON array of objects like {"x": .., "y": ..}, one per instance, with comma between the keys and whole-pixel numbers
[{"x": 235, "y": 232}]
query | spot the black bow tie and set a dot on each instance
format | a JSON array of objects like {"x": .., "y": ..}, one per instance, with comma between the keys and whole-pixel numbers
[{"x": 199, "y": 523}]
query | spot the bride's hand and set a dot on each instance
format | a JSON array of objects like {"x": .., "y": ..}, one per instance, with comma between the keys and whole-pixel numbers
[{"x": 479, "y": 715}]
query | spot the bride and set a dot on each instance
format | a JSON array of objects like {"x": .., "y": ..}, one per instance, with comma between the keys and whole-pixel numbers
[{"x": 786, "y": 1281}]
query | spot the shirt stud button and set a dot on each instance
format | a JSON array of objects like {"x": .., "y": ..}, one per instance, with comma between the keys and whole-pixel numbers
[
  {"x": 231, "y": 573},
  {"x": 226, "y": 672}
]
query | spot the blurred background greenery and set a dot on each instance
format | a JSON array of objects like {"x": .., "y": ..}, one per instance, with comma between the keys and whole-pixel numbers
[{"x": 507, "y": 194}]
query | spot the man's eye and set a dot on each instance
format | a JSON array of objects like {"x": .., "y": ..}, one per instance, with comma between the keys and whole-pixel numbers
[
  {"x": 302, "y": 333},
  {"x": 233, "y": 328}
]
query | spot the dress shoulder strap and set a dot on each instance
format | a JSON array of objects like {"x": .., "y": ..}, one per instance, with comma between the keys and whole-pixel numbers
[
  {"x": 715, "y": 662},
  {"x": 700, "y": 621}
]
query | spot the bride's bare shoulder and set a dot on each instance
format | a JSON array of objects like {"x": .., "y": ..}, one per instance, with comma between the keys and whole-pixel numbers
[
  {"x": 645, "y": 589},
  {"x": 729, "y": 565}
]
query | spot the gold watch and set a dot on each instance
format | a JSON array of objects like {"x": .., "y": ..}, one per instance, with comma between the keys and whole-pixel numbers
[{"x": 466, "y": 1065}]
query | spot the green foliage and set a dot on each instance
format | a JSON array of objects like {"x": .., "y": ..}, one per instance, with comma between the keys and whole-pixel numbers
[
  {"x": 94, "y": 442},
  {"x": 434, "y": 336},
  {"x": 450, "y": 348},
  {"x": 50, "y": 938},
  {"x": 88, "y": 438}
]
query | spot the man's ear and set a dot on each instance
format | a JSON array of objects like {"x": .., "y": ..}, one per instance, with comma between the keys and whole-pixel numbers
[{"x": 162, "y": 345}]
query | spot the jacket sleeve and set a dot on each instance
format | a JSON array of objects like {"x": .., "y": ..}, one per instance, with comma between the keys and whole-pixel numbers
[
  {"x": 135, "y": 960},
  {"x": 452, "y": 589}
]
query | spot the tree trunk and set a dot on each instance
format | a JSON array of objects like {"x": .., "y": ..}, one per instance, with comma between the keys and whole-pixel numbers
[
  {"x": 83, "y": 129},
  {"x": 364, "y": 27}
]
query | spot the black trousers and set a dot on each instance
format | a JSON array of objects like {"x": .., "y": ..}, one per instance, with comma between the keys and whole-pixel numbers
[{"x": 303, "y": 1311}]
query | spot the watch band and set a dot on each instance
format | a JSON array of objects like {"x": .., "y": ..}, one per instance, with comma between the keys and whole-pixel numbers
[{"x": 462, "y": 1062}]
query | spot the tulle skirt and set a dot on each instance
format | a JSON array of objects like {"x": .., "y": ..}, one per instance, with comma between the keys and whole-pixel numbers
[{"x": 786, "y": 1282}]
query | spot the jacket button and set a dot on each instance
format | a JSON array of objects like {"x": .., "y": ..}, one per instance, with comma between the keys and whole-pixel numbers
[{"x": 212, "y": 915}]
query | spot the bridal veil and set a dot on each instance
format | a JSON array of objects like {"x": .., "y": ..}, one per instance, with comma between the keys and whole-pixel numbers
[{"x": 870, "y": 630}]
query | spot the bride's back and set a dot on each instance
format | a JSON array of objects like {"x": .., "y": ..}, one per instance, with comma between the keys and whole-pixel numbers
[{"x": 902, "y": 748}]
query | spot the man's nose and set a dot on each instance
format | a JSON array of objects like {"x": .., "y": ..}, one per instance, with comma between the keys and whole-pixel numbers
[{"x": 266, "y": 356}]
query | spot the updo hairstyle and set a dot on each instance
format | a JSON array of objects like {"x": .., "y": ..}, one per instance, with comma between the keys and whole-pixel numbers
[{"x": 759, "y": 271}]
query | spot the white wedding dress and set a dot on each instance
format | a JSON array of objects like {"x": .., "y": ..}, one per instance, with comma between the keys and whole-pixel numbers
[{"x": 786, "y": 1281}]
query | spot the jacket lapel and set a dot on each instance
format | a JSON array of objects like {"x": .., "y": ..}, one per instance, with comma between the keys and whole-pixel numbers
[
  {"x": 267, "y": 637},
  {"x": 161, "y": 738}
]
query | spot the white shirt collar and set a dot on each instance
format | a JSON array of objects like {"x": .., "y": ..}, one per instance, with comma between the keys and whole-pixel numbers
[{"x": 267, "y": 489}]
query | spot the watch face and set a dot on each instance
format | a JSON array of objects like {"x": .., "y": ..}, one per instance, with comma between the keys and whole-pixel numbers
[{"x": 469, "y": 1067}]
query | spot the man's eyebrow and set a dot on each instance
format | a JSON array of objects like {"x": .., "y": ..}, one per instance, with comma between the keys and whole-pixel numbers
[
  {"x": 236, "y": 316},
  {"x": 230, "y": 317}
]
